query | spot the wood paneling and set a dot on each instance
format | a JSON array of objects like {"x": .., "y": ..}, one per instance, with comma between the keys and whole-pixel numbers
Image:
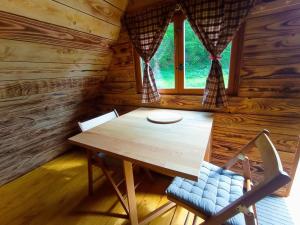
[
  {"x": 136, "y": 5},
  {"x": 54, "y": 56},
  {"x": 271, "y": 54},
  {"x": 54, "y": 12},
  {"x": 268, "y": 95},
  {"x": 100, "y": 9},
  {"x": 121, "y": 4},
  {"x": 17, "y": 51},
  {"x": 264, "y": 7},
  {"x": 15, "y": 27},
  {"x": 28, "y": 70},
  {"x": 254, "y": 106},
  {"x": 229, "y": 134}
]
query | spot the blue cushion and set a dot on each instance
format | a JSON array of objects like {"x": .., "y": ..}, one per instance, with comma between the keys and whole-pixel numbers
[{"x": 214, "y": 190}]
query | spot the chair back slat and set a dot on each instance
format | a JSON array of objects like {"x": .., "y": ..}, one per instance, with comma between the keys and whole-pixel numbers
[
  {"x": 274, "y": 175},
  {"x": 89, "y": 124}
]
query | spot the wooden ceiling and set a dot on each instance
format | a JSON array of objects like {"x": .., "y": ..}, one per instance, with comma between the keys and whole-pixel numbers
[{"x": 135, "y": 5}]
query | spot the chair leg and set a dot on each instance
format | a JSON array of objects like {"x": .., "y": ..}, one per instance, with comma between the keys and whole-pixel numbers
[
  {"x": 187, "y": 218},
  {"x": 195, "y": 219},
  {"x": 250, "y": 219},
  {"x": 90, "y": 172}
]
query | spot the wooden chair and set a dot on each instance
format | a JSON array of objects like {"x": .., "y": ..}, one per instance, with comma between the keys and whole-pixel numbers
[
  {"x": 231, "y": 200},
  {"x": 99, "y": 159}
]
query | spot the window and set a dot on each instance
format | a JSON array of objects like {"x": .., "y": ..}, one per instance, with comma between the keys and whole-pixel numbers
[{"x": 181, "y": 64}]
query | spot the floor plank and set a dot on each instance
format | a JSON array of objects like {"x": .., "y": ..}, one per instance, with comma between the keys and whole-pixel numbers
[{"x": 56, "y": 193}]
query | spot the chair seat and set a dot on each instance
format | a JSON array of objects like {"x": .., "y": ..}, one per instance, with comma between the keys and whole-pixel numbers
[
  {"x": 111, "y": 162},
  {"x": 214, "y": 190}
]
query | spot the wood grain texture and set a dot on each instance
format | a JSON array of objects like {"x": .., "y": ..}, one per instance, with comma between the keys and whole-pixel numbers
[
  {"x": 255, "y": 106},
  {"x": 12, "y": 89},
  {"x": 263, "y": 7},
  {"x": 17, "y": 51},
  {"x": 54, "y": 56},
  {"x": 20, "y": 28},
  {"x": 121, "y": 4},
  {"x": 58, "y": 14},
  {"x": 44, "y": 203},
  {"x": 38, "y": 119},
  {"x": 284, "y": 134},
  {"x": 135, "y": 5},
  {"x": 148, "y": 144},
  {"x": 100, "y": 9},
  {"x": 268, "y": 94},
  {"x": 271, "y": 54},
  {"x": 28, "y": 70}
]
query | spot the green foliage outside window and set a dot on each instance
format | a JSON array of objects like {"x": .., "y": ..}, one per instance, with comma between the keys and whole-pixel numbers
[{"x": 198, "y": 62}]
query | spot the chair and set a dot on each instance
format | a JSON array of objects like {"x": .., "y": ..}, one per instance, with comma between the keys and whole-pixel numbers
[
  {"x": 101, "y": 159},
  {"x": 221, "y": 196}
]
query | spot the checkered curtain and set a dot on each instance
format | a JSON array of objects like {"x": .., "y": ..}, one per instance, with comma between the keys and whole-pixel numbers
[
  {"x": 146, "y": 30},
  {"x": 215, "y": 22}
]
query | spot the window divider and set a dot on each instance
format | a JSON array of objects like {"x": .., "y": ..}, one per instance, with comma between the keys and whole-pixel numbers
[{"x": 179, "y": 48}]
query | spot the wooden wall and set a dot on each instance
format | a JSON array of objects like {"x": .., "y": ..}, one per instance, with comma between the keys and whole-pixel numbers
[
  {"x": 54, "y": 55},
  {"x": 268, "y": 96}
]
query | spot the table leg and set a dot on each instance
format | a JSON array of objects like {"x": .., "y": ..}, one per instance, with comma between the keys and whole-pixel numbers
[
  {"x": 207, "y": 156},
  {"x": 128, "y": 172}
]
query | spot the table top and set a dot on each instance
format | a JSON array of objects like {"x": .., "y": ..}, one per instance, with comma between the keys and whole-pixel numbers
[{"x": 176, "y": 149}]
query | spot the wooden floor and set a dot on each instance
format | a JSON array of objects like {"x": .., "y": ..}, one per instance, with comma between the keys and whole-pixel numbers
[{"x": 56, "y": 193}]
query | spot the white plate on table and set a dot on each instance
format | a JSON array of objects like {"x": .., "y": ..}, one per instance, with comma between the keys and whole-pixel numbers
[{"x": 164, "y": 116}]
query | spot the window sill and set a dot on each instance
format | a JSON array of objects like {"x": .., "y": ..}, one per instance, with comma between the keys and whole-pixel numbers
[{"x": 198, "y": 92}]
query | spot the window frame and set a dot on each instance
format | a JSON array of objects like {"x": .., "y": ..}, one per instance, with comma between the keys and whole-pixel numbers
[{"x": 234, "y": 69}]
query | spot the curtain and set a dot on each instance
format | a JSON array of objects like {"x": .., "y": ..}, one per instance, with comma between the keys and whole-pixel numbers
[
  {"x": 146, "y": 30},
  {"x": 215, "y": 22}
]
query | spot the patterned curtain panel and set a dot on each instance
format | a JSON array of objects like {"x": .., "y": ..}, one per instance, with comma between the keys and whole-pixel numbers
[
  {"x": 146, "y": 30},
  {"x": 215, "y": 22}
]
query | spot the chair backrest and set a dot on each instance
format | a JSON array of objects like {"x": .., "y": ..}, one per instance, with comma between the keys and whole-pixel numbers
[
  {"x": 274, "y": 175},
  {"x": 270, "y": 158},
  {"x": 89, "y": 124},
  {"x": 274, "y": 178}
]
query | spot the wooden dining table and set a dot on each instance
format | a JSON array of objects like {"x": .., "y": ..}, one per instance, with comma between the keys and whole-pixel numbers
[{"x": 175, "y": 149}]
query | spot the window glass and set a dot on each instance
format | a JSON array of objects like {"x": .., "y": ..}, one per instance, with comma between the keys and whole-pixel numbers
[
  {"x": 197, "y": 60},
  {"x": 163, "y": 63}
]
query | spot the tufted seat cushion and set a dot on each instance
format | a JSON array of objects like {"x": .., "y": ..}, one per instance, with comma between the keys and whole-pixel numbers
[{"x": 214, "y": 190}]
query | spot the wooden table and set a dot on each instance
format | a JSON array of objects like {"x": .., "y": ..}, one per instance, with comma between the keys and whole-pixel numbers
[{"x": 176, "y": 149}]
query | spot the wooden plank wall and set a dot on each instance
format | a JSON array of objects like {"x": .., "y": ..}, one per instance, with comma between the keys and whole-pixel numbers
[
  {"x": 54, "y": 55},
  {"x": 268, "y": 96}
]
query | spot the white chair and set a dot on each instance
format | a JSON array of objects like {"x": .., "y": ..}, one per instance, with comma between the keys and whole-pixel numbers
[
  {"x": 87, "y": 125},
  {"x": 99, "y": 159}
]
